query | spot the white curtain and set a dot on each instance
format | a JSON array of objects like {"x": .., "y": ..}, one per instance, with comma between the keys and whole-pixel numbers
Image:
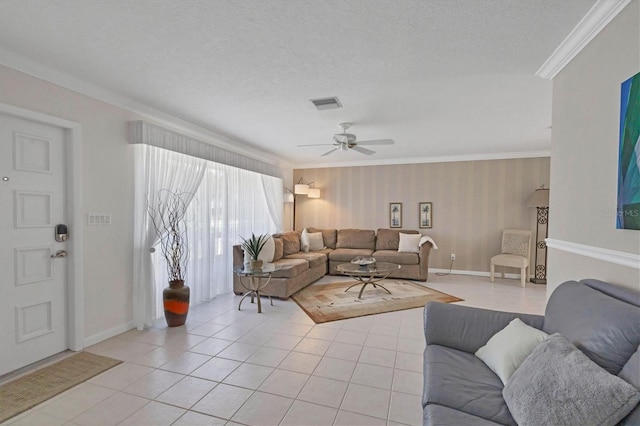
[
  {"x": 156, "y": 170},
  {"x": 229, "y": 203}
]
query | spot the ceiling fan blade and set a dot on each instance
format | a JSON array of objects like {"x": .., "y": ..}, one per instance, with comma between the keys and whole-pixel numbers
[
  {"x": 377, "y": 142},
  {"x": 329, "y": 152},
  {"x": 363, "y": 150},
  {"x": 317, "y": 144}
]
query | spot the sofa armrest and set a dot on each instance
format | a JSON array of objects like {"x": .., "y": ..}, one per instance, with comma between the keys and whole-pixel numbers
[
  {"x": 425, "y": 249},
  {"x": 465, "y": 328}
]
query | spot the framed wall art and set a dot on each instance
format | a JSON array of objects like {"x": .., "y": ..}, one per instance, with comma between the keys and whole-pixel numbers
[
  {"x": 425, "y": 210},
  {"x": 395, "y": 215},
  {"x": 628, "y": 211}
]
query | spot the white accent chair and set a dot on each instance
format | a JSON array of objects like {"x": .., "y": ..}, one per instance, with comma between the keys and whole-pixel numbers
[{"x": 516, "y": 245}]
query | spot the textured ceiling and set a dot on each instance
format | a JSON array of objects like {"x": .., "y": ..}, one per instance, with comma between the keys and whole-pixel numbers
[{"x": 441, "y": 78}]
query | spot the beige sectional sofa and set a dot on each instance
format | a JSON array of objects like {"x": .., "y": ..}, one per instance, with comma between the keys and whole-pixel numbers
[{"x": 299, "y": 269}]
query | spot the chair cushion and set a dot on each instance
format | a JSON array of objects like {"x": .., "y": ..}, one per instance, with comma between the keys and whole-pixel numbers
[
  {"x": 290, "y": 267},
  {"x": 394, "y": 256},
  {"x": 314, "y": 258},
  {"x": 347, "y": 254},
  {"x": 356, "y": 239},
  {"x": 631, "y": 373},
  {"x": 461, "y": 381},
  {"x": 388, "y": 239},
  {"x": 606, "y": 329},
  {"x": 510, "y": 260}
]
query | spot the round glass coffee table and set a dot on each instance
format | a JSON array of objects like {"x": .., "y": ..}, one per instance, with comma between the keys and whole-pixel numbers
[
  {"x": 367, "y": 274},
  {"x": 255, "y": 284}
]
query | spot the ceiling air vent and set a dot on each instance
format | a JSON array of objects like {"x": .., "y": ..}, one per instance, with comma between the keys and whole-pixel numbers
[{"x": 326, "y": 103}]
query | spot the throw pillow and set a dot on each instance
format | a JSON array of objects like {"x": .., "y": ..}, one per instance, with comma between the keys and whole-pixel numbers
[
  {"x": 304, "y": 241},
  {"x": 409, "y": 243},
  {"x": 509, "y": 347},
  {"x": 559, "y": 385},
  {"x": 315, "y": 241},
  {"x": 279, "y": 249}
]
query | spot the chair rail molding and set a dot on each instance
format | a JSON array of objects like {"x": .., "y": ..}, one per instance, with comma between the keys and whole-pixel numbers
[
  {"x": 593, "y": 22},
  {"x": 612, "y": 256}
]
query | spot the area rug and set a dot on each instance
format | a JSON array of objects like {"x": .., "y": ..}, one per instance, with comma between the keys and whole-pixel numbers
[
  {"x": 330, "y": 302},
  {"x": 27, "y": 391}
]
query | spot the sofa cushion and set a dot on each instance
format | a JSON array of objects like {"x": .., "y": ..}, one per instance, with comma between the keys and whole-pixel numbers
[
  {"x": 598, "y": 324},
  {"x": 388, "y": 239},
  {"x": 460, "y": 380},
  {"x": 291, "y": 242},
  {"x": 278, "y": 251},
  {"x": 435, "y": 414},
  {"x": 356, "y": 239},
  {"x": 558, "y": 385},
  {"x": 290, "y": 267},
  {"x": 329, "y": 236},
  {"x": 314, "y": 258},
  {"x": 347, "y": 254},
  {"x": 393, "y": 256}
]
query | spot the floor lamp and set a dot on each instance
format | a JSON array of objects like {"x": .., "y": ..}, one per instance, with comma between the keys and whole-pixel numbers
[
  {"x": 300, "y": 189},
  {"x": 540, "y": 200}
]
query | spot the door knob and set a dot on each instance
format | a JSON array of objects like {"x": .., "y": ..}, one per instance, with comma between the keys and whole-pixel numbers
[{"x": 59, "y": 253}]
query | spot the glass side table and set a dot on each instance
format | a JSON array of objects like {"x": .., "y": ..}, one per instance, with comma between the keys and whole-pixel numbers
[
  {"x": 367, "y": 274},
  {"x": 258, "y": 279}
]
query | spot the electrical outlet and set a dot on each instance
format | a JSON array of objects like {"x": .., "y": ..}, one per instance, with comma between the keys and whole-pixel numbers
[{"x": 453, "y": 257}]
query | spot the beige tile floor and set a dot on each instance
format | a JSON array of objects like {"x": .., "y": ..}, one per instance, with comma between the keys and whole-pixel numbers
[{"x": 228, "y": 367}]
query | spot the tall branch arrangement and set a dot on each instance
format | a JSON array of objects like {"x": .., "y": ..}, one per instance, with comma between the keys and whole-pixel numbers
[{"x": 167, "y": 216}]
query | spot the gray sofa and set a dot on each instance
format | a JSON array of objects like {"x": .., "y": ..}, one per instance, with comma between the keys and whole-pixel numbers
[
  {"x": 601, "y": 320},
  {"x": 298, "y": 269}
]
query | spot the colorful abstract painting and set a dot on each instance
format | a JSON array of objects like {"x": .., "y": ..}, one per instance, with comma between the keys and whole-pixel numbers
[{"x": 628, "y": 212}]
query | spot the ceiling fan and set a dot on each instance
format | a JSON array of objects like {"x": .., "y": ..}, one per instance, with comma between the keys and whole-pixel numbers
[{"x": 345, "y": 141}]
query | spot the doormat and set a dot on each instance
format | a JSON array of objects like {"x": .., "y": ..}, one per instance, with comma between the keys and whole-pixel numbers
[
  {"x": 27, "y": 391},
  {"x": 330, "y": 302}
]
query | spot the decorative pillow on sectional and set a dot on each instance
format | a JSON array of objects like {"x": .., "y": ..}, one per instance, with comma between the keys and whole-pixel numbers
[
  {"x": 315, "y": 241},
  {"x": 278, "y": 252},
  {"x": 329, "y": 236},
  {"x": 559, "y": 385},
  {"x": 304, "y": 241},
  {"x": 409, "y": 243},
  {"x": 509, "y": 347},
  {"x": 291, "y": 242}
]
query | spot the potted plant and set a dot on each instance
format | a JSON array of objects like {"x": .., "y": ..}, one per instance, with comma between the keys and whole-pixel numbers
[
  {"x": 253, "y": 246},
  {"x": 167, "y": 217}
]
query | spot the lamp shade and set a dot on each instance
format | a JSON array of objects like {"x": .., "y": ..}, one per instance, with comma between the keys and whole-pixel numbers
[
  {"x": 301, "y": 188},
  {"x": 540, "y": 198},
  {"x": 288, "y": 197},
  {"x": 313, "y": 193}
]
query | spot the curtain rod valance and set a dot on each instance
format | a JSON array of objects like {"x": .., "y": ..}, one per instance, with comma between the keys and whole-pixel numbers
[{"x": 150, "y": 134}]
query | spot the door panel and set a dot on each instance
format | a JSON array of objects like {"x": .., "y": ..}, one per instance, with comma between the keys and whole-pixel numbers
[{"x": 32, "y": 282}]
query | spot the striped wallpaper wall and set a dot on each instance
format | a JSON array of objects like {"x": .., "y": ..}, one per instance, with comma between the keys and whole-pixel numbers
[{"x": 472, "y": 202}]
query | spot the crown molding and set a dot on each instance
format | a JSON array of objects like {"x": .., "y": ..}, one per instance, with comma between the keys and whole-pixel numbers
[
  {"x": 593, "y": 22},
  {"x": 612, "y": 256},
  {"x": 35, "y": 69},
  {"x": 421, "y": 160}
]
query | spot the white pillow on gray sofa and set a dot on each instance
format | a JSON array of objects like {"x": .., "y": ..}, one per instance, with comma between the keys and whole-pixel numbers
[
  {"x": 509, "y": 347},
  {"x": 559, "y": 385}
]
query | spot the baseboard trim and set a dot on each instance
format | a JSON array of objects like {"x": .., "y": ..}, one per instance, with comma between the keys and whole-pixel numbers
[
  {"x": 612, "y": 256},
  {"x": 107, "y": 334},
  {"x": 473, "y": 273}
]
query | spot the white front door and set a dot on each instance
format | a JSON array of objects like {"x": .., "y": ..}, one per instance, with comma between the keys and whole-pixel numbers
[{"x": 33, "y": 311}]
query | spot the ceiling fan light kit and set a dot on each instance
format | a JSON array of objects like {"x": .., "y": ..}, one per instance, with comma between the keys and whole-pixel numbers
[{"x": 348, "y": 141}]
